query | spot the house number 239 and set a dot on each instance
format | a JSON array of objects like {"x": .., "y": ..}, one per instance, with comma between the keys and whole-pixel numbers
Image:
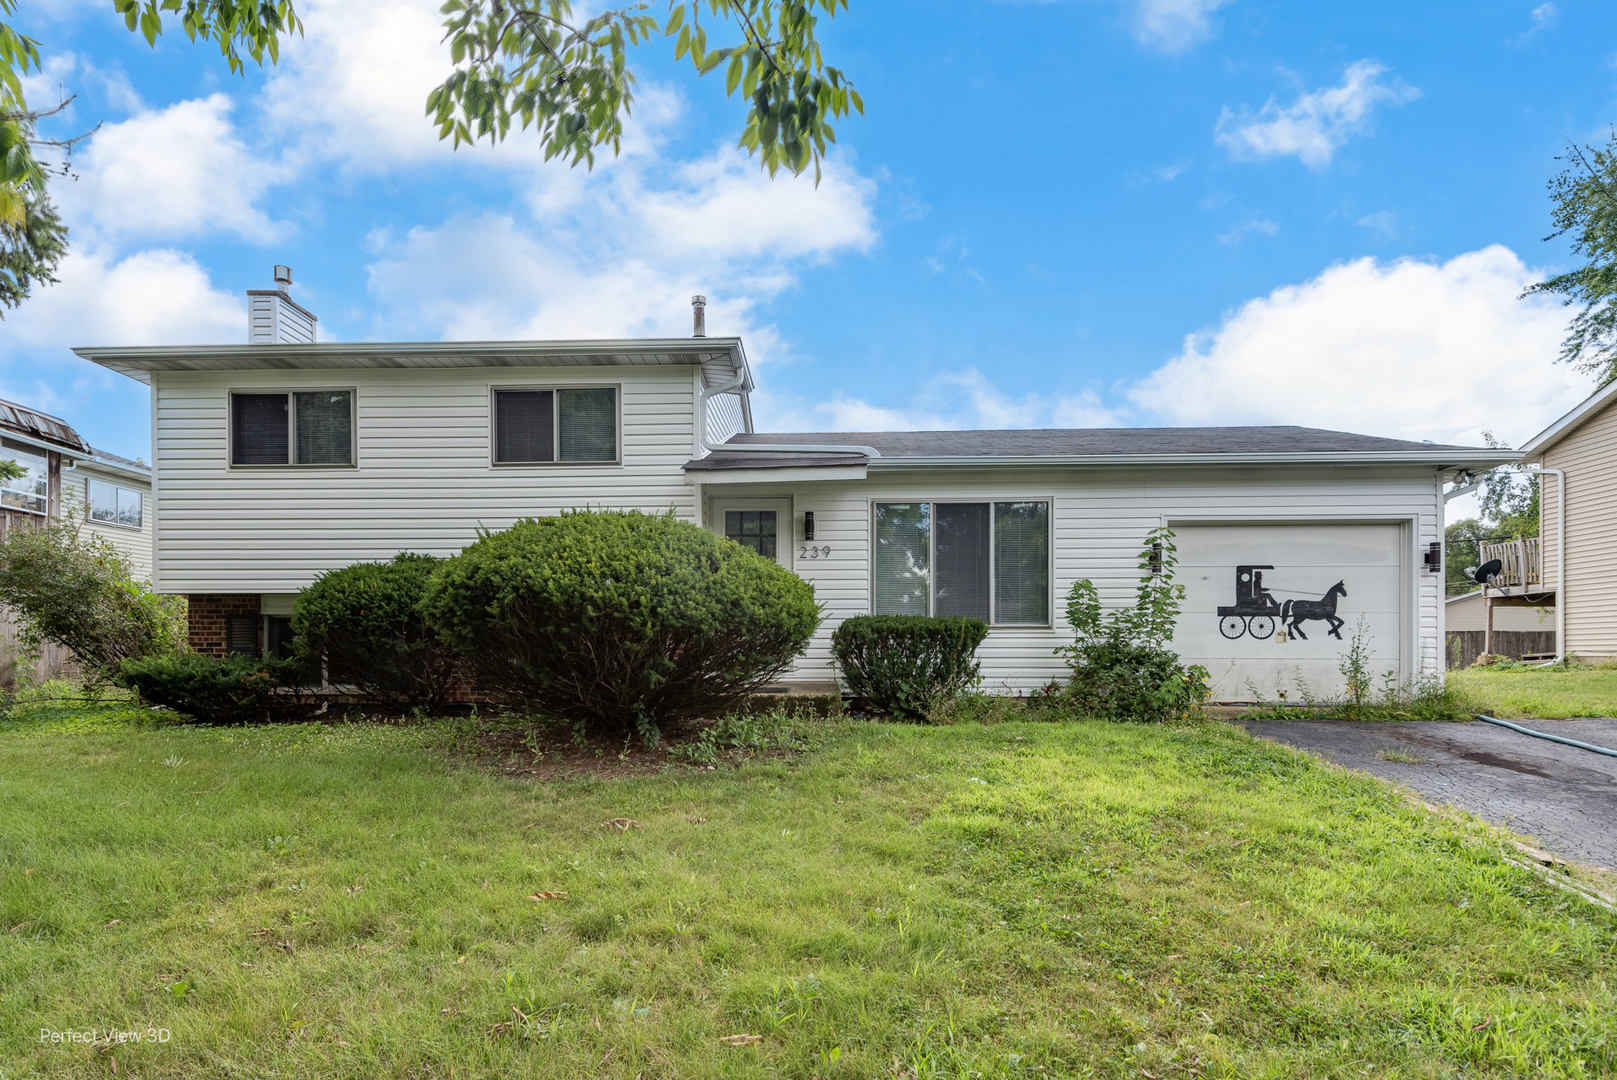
[{"x": 811, "y": 552}]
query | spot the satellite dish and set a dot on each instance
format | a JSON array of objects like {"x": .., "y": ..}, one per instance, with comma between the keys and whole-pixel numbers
[{"x": 1487, "y": 571}]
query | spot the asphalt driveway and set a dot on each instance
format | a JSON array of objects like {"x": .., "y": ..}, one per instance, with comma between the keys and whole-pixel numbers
[{"x": 1561, "y": 798}]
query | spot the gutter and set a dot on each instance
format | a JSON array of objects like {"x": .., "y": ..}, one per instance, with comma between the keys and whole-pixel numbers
[
  {"x": 1373, "y": 457},
  {"x": 1560, "y": 563},
  {"x": 41, "y": 444}
]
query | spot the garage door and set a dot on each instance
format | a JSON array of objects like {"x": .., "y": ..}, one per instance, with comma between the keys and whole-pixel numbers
[{"x": 1272, "y": 609}]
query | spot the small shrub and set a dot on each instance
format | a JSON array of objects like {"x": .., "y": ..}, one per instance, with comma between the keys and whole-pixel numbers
[
  {"x": 81, "y": 593},
  {"x": 620, "y": 620},
  {"x": 365, "y": 623},
  {"x": 778, "y": 729},
  {"x": 1122, "y": 668},
  {"x": 901, "y": 664},
  {"x": 235, "y": 689}
]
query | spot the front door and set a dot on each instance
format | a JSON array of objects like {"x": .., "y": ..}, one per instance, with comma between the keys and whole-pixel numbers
[{"x": 764, "y": 525}]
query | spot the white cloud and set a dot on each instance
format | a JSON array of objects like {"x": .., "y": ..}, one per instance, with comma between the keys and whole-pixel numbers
[
  {"x": 1174, "y": 25},
  {"x": 1383, "y": 224},
  {"x": 623, "y": 255},
  {"x": 157, "y": 297},
  {"x": 1318, "y": 123},
  {"x": 175, "y": 172},
  {"x": 1407, "y": 349},
  {"x": 950, "y": 401},
  {"x": 1544, "y": 17}
]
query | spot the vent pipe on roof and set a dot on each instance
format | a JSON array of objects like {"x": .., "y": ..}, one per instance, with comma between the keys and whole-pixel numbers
[
  {"x": 274, "y": 318},
  {"x": 699, "y": 316}
]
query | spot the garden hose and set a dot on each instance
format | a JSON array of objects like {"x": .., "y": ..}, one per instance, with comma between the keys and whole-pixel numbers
[{"x": 1547, "y": 735}]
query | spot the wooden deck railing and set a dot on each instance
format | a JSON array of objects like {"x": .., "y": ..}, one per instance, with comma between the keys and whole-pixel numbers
[{"x": 1523, "y": 568}]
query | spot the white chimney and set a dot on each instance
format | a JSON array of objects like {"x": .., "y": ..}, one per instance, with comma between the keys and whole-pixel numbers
[
  {"x": 274, "y": 318},
  {"x": 699, "y": 316}
]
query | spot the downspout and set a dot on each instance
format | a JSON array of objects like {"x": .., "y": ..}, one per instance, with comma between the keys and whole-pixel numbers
[
  {"x": 1560, "y": 561},
  {"x": 770, "y": 448}
]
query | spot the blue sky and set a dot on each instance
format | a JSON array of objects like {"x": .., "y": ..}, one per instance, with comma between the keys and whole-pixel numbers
[{"x": 1054, "y": 214}]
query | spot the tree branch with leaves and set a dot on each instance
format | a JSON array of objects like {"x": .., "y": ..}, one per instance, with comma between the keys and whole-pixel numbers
[{"x": 1585, "y": 199}]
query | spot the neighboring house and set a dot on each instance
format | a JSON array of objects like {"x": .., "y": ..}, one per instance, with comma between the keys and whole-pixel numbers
[
  {"x": 68, "y": 479},
  {"x": 280, "y": 459},
  {"x": 1578, "y": 454}
]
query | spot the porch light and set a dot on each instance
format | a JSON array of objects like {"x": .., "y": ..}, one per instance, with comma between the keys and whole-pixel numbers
[{"x": 808, "y": 525}]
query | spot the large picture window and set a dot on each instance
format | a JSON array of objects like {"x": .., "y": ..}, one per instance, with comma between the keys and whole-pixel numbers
[
  {"x": 572, "y": 425},
  {"x": 989, "y": 561},
  {"x": 31, "y": 491},
  {"x": 114, "y": 505},
  {"x": 301, "y": 427}
]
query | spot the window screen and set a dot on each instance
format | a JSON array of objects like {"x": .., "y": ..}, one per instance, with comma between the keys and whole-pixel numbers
[
  {"x": 589, "y": 424},
  {"x": 903, "y": 558},
  {"x": 960, "y": 559},
  {"x": 988, "y": 561},
  {"x": 260, "y": 430},
  {"x": 1022, "y": 562},
  {"x": 524, "y": 426},
  {"x": 755, "y": 529},
  {"x": 278, "y": 637},
  {"x": 325, "y": 420}
]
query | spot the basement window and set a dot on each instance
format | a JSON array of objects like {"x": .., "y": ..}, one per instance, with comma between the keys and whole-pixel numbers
[
  {"x": 114, "y": 505},
  {"x": 989, "y": 561},
  {"x": 301, "y": 427},
  {"x": 577, "y": 425}
]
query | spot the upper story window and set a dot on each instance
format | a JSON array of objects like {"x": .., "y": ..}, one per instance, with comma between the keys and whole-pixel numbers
[
  {"x": 31, "y": 491},
  {"x": 301, "y": 427},
  {"x": 572, "y": 425},
  {"x": 114, "y": 505},
  {"x": 990, "y": 561}
]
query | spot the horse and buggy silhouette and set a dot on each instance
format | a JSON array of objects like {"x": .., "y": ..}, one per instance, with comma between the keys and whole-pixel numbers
[{"x": 1258, "y": 613}]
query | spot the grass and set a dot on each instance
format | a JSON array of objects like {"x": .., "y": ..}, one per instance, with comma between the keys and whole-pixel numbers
[
  {"x": 1075, "y": 899},
  {"x": 1524, "y": 691}
]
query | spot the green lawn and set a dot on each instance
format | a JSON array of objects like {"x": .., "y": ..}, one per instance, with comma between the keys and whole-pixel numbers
[
  {"x": 1019, "y": 900},
  {"x": 1546, "y": 693}
]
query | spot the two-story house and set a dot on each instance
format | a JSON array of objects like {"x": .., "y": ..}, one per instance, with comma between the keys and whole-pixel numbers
[{"x": 283, "y": 457}]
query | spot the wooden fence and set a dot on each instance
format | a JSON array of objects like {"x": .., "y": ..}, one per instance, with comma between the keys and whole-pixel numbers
[{"x": 1464, "y": 646}]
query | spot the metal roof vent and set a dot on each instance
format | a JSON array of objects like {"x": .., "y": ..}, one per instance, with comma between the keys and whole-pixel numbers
[
  {"x": 699, "y": 316},
  {"x": 274, "y": 318}
]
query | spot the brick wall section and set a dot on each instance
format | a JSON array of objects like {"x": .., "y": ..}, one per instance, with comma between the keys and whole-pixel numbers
[{"x": 207, "y": 619}]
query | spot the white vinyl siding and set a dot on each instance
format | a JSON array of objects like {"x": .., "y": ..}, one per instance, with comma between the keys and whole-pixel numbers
[
  {"x": 1591, "y": 533},
  {"x": 423, "y": 479},
  {"x": 1099, "y": 519}
]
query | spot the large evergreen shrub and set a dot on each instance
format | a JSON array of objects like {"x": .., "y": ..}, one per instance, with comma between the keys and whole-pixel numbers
[
  {"x": 902, "y": 664},
  {"x": 1122, "y": 668},
  {"x": 620, "y": 620},
  {"x": 365, "y": 623},
  {"x": 81, "y": 593}
]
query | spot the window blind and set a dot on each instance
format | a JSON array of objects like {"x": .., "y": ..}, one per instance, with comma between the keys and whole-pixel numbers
[
  {"x": 960, "y": 559},
  {"x": 1022, "y": 562},
  {"x": 903, "y": 558},
  {"x": 259, "y": 429},
  {"x": 589, "y": 424},
  {"x": 325, "y": 420},
  {"x": 524, "y": 426}
]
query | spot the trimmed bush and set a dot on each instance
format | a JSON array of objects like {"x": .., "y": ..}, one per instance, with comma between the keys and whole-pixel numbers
[
  {"x": 232, "y": 690},
  {"x": 365, "y": 622},
  {"x": 901, "y": 664},
  {"x": 620, "y": 620}
]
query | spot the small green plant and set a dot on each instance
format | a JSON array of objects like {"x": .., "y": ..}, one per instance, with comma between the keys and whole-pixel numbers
[
  {"x": 901, "y": 664},
  {"x": 1394, "y": 754},
  {"x": 1122, "y": 668},
  {"x": 976, "y": 707},
  {"x": 777, "y": 729}
]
